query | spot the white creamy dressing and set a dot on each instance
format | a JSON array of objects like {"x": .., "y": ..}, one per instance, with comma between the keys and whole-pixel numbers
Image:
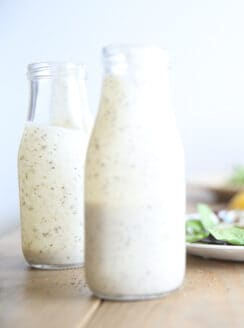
[
  {"x": 135, "y": 191},
  {"x": 51, "y": 168},
  {"x": 69, "y": 107},
  {"x": 51, "y": 164}
]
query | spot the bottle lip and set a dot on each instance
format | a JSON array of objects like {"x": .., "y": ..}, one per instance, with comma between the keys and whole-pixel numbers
[
  {"x": 123, "y": 52},
  {"x": 51, "y": 69}
]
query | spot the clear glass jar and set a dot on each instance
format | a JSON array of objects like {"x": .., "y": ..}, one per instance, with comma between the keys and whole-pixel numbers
[
  {"x": 51, "y": 166},
  {"x": 134, "y": 181}
]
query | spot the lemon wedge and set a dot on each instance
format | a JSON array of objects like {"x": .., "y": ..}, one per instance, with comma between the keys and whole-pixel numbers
[{"x": 237, "y": 202}]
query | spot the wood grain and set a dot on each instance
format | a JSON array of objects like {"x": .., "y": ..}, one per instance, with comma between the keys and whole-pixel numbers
[
  {"x": 36, "y": 298},
  {"x": 212, "y": 296}
]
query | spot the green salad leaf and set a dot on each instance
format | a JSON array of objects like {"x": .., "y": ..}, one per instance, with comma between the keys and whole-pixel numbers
[
  {"x": 207, "y": 225},
  {"x": 195, "y": 231},
  {"x": 231, "y": 235},
  {"x": 237, "y": 177},
  {"x": 207, "y": 216}
]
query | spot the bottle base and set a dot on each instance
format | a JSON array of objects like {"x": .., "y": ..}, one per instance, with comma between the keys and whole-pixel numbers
[
  {"x": 132, "y": 298},
  {"x": 55, "y": 266}
]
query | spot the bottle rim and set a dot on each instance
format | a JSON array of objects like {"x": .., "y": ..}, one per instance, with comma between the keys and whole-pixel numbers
[
  {"x": 123, "y": 58},
  {"x": 51, "y": 69},
  {"x": 122, "y": 52}
]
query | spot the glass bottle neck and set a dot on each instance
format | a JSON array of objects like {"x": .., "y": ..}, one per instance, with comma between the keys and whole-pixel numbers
[
  {"x": 58, "y": 99},
  {"x": 135, "y": 59},
  {"x": 136, "y": 83}
]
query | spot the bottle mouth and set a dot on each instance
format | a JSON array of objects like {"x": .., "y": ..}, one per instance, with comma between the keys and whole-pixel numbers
[
  {"x": 46, "y": 70},
  {"x": 135, "y": 53}
]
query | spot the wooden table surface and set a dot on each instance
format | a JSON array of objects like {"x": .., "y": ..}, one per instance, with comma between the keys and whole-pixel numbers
[{"x": 212, "y": 296}]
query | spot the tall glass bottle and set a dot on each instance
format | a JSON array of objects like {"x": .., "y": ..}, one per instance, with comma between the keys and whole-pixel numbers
[
  {"x": 51, "y": 165},
  {"x": 134, "y": 184}
]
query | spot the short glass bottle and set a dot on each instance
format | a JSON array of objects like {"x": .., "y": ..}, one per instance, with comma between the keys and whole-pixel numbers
[
  {"x": 51, "y": 165},
  {"x": 134, "y": 181}
]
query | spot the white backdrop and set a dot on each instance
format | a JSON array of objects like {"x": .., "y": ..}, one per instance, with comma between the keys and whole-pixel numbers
[{"x": 205, "y": 41}]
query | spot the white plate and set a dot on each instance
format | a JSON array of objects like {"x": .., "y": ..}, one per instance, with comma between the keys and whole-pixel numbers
[
  {"x": 213, "y": 251},
  {"x": 219, "y": 252}
]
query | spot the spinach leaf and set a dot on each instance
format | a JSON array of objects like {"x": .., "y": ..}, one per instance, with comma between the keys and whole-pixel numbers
[
  {"x": 207, "y": 216},
  {"x": 206, "y": 228},
  {"x": 232, "y": 235},
  {"x": 237, "y": 177},
  {"x": 195, "y": 231}
]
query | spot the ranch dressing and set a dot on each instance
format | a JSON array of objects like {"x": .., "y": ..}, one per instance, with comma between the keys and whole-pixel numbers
[
  {"x": 51, "y": 167},
  {"x": 134, "y": 184}
]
